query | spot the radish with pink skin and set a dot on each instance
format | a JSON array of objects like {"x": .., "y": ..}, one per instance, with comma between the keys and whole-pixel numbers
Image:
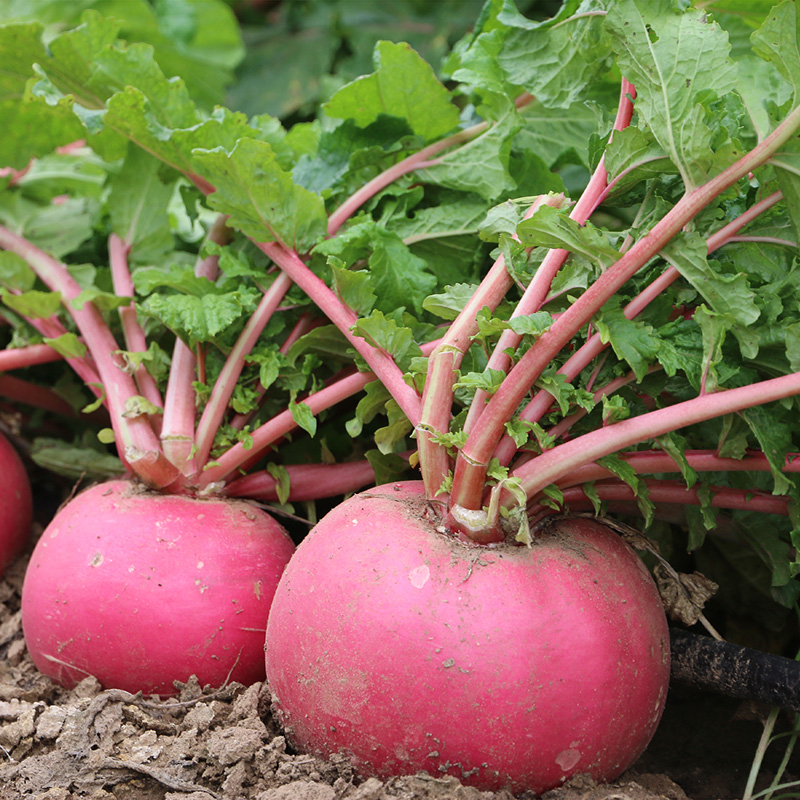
[
  {"x": 140, "y": 589},
  {"x": 16, "y": 505},
  {"x": 409, "y": 649}
]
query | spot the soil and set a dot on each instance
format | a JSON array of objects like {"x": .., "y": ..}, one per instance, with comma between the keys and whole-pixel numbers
[{"x": 223, "y": 744}]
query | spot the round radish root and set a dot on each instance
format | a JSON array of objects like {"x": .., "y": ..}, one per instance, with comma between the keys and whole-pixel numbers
[
  {"x": 141, "y": 589},
  {"x": 16, "y": 505},
  {"x": 504, "y": 666}
]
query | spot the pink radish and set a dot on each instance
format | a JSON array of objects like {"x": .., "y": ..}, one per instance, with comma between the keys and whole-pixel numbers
[
  {"x": 16, "y": 505},
  {"x": 412, "y": 650},
  {"x": 141, "y": 589}
]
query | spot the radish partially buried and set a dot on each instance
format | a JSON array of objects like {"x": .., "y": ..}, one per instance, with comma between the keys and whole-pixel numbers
[
  {"x": 16, "y": 505},
  {"x": 141, "y": 589},
  {"x": 506, "y": 666}
]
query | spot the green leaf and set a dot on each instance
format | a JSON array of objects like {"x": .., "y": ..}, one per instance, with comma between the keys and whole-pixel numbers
[
  {"x": 303, "y": 416},
  {"x": 448, "y": 219},
  {"x": 282, "y": 481},
  {"x": 489, "y": 380},
  {"x": 393, "y": 435},
  {"x": 325, "y": 340},
  {"x": 793, "y": 346},
  {"x": 633, "y": 341},
  {"x": 353, "y": 287},
  {"x": 58, "y": 228},
  {"x": 106, "y": 435},
  {"x": 21, "y": 47},
  {"x": 760, "y": 86},
  {"x": 33, "y": 128},
  {"x": 787, "y": 169},
  {"x": 677, "y": 61},
  {"x": 269, "y": 364},
  {"x": 674, "y": 445},
  {"x": 531, "y": 324},
  {"x": 556, "y": 60},
  {"x": 397, "y": 277},
  {"x": 557, "y": 134},
  {"x": 34, "y": 303},
  {"x": 478, "y": 66},
  {"x": 403, "y": 85},
  {"x": 551, "y": 227},
  {"x": 634, "y": 156},
  {"x": 553, "y": 497},
  {"x": 137, "y": 406},
  {"x": 199, "y": 319},
  {"x": 200, "y": 40},
  {"x": 520, "y": 431},
  {"x": 387, "y": 467},
  {"x": 725, "y": 294},
  {"x": 775, "y": 439},
  {"x": 372, "y": 403},
  {"x": 481, "y": 165},
  {"x": 261, "y": 198},
  {"x": 557, "y": 385},
  {"x": 180, "y": 277},
  {"x": 626, "y": 473},
  {"x": 105, "y": 301},
  {"x": 15, "y": 272},
  {"x": 714, "y": 328},
  {"x": 778, "y": 41},
  {"x": 68, "y": 345},
  {"x": 74, "y": 461},
  {"x": 449, "y": 304},
  {"x": 138, "y": 205},
  {"x": 384, "y": 333}
]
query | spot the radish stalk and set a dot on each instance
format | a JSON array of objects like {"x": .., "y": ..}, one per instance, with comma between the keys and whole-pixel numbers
[
  {"x": 134, "y": 334},
  {"x": 473, "y": 459},
  {"x": 137, "y": 442}
]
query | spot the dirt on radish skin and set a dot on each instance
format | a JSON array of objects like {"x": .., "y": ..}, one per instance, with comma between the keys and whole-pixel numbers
[
  {"x": 140, "y": 589},
  {"x": 506, "y": 667},
  {"x": 16, "y": 505}
]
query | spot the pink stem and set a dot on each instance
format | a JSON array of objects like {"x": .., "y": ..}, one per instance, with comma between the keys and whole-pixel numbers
[
  {"x": 306, "y": 482},
  {"x": 303, "y": 325},
  {"x": 437, "y": 398},
  {"x": 32, "y": 354},
  {"x": 473, "y": 459},
  {"x": 666, "y": 492},
  {"x": 177, "y": 428},
  {"x": 22, "y": 391},
  {"x": 656, "y": 461},
  {"x": 137, "y": 444},
  {"x": 217, "y": 404},
  {"x": 379, "y": 361},
  {"x": 536, "y": 293},
  {"x": 582, "y": 357},
  {"x": 565, "y": 458},
  {"x": 133, "y": 332}
]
